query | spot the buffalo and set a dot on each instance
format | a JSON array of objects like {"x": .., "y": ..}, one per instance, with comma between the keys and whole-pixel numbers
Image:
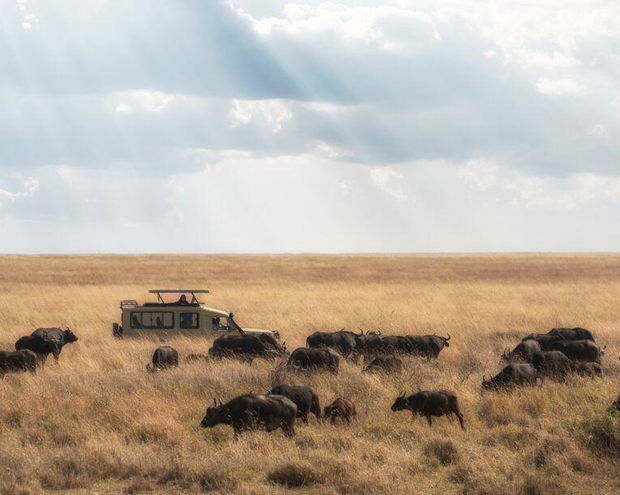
[
  {"x": 340, "y": 408},
  {"x": 246, "y": 346},
  {"x": 304, "y": 398},
  {"x": 589, "y": 368},
  {"x": 513, "y": 374},
  {"x": 164, "y": 357},
  {"x": 524, "y": 351},
  {"x": 250, "y": 412},
  {"x": 342, "y": 341},
  {"x": 552, "y": 364},
  {"x": 578, "y": 350},
  {"x": 384, "y": 364},
  {"x": 311, "y": 359},
  {"x": 46, "y": 341},
  {"x": 429, "y": 403},
  {"x": 616, "y": 403},
  {"x": 428, "y": 346},
  {"x": 572, "y": 333},
  {"x": 18, "y": 361}
]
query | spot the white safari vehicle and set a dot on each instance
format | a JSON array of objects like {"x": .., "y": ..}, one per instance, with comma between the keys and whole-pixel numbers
[{"x": 183, "y": 316}]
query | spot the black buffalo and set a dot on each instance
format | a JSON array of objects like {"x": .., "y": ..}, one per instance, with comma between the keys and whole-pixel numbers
[
  {"x": 14, "y": 362},
  {"x": 420, "y": 345},
  {"x": 513, "y": 374},
  {"x": 304, "y": 398},
  {"x": 250, "y": 412},
  {"x": 342, "y": 341},
  {"x": 245, "y": 346},
  {"x": 163, "y": 357},
  {"x": 616, "y": 403},
  {"x": 591, "y": 369},
  {"x": 384, "y": 364},
  {"x": 552, "y": 364},
  {"x": 429, "y": 403},
  {"x": 40, "y": 347},
  {"x": 572, "y": 333},
  {"x": 46, "y": 341},
  {"x": 311, "y": 359},
  {"x": 524, "y": 351},
  {"x": 578, "y": 350}
]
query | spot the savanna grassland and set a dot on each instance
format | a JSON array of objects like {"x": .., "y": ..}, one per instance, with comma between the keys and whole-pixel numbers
[{"x": 98, "y": 423}]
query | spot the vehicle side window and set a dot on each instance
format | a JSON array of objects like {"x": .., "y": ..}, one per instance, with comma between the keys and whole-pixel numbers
[
  {"x": 189, "y": 320},
  {"x": 152, "y": 320}
]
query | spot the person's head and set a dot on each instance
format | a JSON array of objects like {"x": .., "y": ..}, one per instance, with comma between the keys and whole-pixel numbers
[{"x": 183, "y": 298}]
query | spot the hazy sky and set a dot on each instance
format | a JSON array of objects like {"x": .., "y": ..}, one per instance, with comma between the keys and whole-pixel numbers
[{"x": 252, "y": 126}]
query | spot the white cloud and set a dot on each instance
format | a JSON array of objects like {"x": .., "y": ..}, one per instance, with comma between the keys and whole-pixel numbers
[
  {"x": 559, "y": 87},
  {"x": 388, "y": 180},
  {"x": 273, "y": 113},
  {"x": 480, "y": 174}
]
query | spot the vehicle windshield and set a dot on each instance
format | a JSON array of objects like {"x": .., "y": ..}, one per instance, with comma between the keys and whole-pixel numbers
[{"x": 220, "y": 323}]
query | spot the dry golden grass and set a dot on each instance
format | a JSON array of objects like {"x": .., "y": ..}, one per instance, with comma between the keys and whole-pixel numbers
[{"x": 99, "y": 423}]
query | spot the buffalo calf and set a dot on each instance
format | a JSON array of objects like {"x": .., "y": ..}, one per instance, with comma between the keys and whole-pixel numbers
[
  {"x": 15, "y": 362},
  {"x": 163, "y": 357},
  {"x": 340, "y": 408}
]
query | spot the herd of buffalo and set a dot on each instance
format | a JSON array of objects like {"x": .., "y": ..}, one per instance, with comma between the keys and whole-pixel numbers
[{"x": 552, "y": 355}]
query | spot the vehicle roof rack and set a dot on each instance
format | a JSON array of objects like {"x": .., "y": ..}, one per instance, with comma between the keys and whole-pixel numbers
[{"x": 193, "y": 292}]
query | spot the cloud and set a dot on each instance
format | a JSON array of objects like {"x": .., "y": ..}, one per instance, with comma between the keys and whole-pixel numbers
[
  {"x": 388, "y": 180},
  {"x": 404, "y": 116}
]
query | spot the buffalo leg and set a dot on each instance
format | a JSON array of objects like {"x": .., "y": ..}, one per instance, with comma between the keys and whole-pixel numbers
[
  {"x": 430, "y": 420},
  {"x": 289, "y": 429},
  {"x": 460, "y": 417}
]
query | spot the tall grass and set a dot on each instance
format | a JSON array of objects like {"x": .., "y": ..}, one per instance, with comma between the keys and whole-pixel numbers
[{"x": 97, "y": 422}]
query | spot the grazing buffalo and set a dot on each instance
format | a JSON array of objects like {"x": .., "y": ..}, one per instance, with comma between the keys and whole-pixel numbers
[
  {"x": 429, "y": 403},
  {"x": 14, "y": 362},
  {"x": 616, "y": 403},
  {"x": 163, "y": 357},
  {"x": 46, "y": 341},
  {"x": 524, "y": 351},
  {"x": 304, "y": 398},
  {"x": 591, "y": 369},
  {"x": 272, "y": 344},
  {"x": 552, "y": 364},
  {"x": 428, "y": 345},
  {"x": 578, "y": 350},
  {"x": 250, "y": 412},
  {"x": 309, "y": 359},
  {"x": 342, "y": 341},
  {"x": 245, "y": 346},
  {"x": 513, "y": 374},
  {"x": 340, "y": 408},
  {"x": 572, "y": 333},
  {"x": 384, "y": 364},
  {"x": 544, "y": 340},
  {"x": 420, "y": 345}
]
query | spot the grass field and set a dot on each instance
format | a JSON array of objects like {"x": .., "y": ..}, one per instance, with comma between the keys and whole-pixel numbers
[{"x": 98, "y": 422}]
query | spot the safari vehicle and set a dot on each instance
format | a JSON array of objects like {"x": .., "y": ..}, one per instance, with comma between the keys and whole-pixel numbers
[{"x": 183, "y": 316}]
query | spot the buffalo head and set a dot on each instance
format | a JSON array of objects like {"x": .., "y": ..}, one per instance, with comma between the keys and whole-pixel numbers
[
  {"x": 216, "y": 414},
  {"x": 400, "y": 404},
  {"x": 69, "y": 336}
]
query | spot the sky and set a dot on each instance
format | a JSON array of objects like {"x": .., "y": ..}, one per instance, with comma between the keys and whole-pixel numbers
[{"x": 349, "y": 126}]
